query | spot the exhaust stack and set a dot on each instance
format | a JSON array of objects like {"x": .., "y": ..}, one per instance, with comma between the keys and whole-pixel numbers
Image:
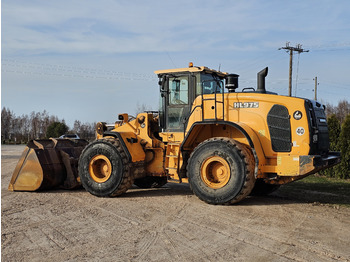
[{"x": 261, "y": 80}]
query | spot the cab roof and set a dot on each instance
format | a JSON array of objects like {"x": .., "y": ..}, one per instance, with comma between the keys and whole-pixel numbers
[{"x": 192, "y": 69}]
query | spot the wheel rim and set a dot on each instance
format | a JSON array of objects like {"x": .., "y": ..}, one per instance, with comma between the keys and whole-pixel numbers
[
  {"x": 215, "y": 172},
  {"x": 100, "y": 168}
]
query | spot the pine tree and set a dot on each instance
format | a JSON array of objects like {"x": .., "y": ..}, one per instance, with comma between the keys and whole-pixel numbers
[
  {"x": 343, "y": 169},
  {"x": 334, "y": 132},
  {"x": 56, "y": 129},
  {"x": 334, "y": 129}
]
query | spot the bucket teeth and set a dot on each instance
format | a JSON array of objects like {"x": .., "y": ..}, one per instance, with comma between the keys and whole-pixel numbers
[{"x": 48, "y": 163}]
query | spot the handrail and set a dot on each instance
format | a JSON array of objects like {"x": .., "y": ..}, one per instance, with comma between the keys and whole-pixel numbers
[
  {"x": 216, "y": 101},
  {"x": 202, "y": 107},
  {"x": 189, "y": 115}
]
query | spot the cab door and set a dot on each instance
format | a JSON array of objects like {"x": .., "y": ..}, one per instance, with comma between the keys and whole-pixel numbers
[{"x": 178, "y": 102}]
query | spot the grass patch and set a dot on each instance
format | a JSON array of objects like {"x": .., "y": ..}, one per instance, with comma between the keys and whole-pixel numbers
[{"x": 318, "y": 189}]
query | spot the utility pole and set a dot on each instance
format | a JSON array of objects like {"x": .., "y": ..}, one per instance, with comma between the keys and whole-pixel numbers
[
  {"x": 291, "y": 50},
  {"x": 316, "y": 84}
]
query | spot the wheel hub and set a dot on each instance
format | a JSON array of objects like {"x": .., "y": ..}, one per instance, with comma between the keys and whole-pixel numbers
[
  {"x": 215, "y": 172},
  {"x": 100, "y": 168}
]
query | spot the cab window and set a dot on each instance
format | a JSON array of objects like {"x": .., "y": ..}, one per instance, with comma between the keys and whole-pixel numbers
[
  {"x": 178, "y": 102},
  {"x": 178, "y": 88},
  {"x": 209, "y": 85}
]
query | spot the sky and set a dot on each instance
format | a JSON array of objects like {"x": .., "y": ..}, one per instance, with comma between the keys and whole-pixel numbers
[{"x": 90, "y": 60}]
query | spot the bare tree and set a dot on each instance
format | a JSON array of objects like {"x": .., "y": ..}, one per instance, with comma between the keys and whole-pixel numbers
[
  {"x": 330, "y": 109},
  {"x": 44, "y": 122},
  {"x": 341, "y": 110},
  {"x": 76, "y": 126},
  {"x": 87, "y": 131},
  {"x": 16, "y": 129},
  {"x": 6, "y": 123},
  {"x": 25, "y": 125},
  {"x": 140, "y": 108}
]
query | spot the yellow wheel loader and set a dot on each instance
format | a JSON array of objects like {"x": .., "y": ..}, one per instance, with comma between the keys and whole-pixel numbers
[{"x": 225, "y": 144}]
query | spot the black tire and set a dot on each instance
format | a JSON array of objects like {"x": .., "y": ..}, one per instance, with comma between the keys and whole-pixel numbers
[
  {"x": 263, "y": 189},
  {"x": 151, "y": 182},
  {"x": 104, "y": 169},
  {"x": 221, "y": 171}
]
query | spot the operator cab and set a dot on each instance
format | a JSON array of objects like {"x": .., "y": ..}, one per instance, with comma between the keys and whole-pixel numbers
[{"x": 179, "y": 88}]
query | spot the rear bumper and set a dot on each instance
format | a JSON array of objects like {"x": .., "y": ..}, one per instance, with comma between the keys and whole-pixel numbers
[
  {"x": 292, "y": 168},
  {"x": 330, "y": 160},
  {"x": 315, "y": 163}
]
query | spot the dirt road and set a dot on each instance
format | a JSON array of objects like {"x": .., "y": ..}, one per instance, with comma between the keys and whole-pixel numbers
[{"x": 167, "y": 224}]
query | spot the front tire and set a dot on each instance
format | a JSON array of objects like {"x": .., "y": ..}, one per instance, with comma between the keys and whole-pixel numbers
[
  {"x": 221, "y": 171},
  {"x": 103, "y": 168}
]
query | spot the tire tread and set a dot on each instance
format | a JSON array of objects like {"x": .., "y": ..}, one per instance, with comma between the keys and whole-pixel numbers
[{"x": 249, "y": 161}]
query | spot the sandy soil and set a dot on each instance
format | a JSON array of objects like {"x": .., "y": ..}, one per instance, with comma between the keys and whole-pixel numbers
[{"x": 166, "y": 224}]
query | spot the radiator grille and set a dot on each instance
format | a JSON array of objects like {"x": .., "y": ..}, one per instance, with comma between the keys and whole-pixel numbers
[{"x": 279, "y": 126}]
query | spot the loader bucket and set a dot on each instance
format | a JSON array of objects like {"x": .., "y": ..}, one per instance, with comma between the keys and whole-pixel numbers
[{"x": 48, "y": 163}]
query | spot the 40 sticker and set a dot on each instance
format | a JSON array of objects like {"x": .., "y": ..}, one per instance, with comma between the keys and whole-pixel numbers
[{"x": 300, "y": 131}]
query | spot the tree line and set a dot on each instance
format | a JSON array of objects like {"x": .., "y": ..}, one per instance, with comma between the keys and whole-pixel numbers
[
  {"x": 38, "y": 125},
  {"x": 338, "y": 119}
]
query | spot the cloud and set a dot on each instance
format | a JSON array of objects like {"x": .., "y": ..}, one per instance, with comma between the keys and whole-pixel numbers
[
  {"x": 136, "y": 26},
  {"x": 128, "y": 26}
]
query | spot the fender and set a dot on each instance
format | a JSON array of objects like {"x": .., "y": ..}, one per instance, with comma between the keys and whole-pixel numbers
[
  {"x": 246, "y": 133},
  {"x": 130, "y": 144}
]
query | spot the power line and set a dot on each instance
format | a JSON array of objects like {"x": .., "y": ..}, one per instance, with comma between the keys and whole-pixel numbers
[
  {"x": 27, "y": 68},
  {"x": 246, "y": 65},
  {"x": 330, "y": 47},
  {"x": 170, "y": 59}
]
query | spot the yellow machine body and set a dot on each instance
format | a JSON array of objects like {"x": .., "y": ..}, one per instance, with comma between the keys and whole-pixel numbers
[
  {"x": 220, "y": 142},
  {"x": 240, "y": 116}
]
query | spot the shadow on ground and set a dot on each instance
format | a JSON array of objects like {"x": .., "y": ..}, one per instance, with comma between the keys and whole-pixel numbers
[
  {"x": 175, "y": 189},
  {"x": 316, "y": 193}
]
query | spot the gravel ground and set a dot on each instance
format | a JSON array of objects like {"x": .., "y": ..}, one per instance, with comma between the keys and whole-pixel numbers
[{"x": 166, "y": 224}]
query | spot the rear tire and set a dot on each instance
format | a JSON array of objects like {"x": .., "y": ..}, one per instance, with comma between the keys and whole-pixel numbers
[
  {"x": 151, "y": 182},
  {"x": 104, "y": 169},
  {"x": 221, "y": 171}
]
